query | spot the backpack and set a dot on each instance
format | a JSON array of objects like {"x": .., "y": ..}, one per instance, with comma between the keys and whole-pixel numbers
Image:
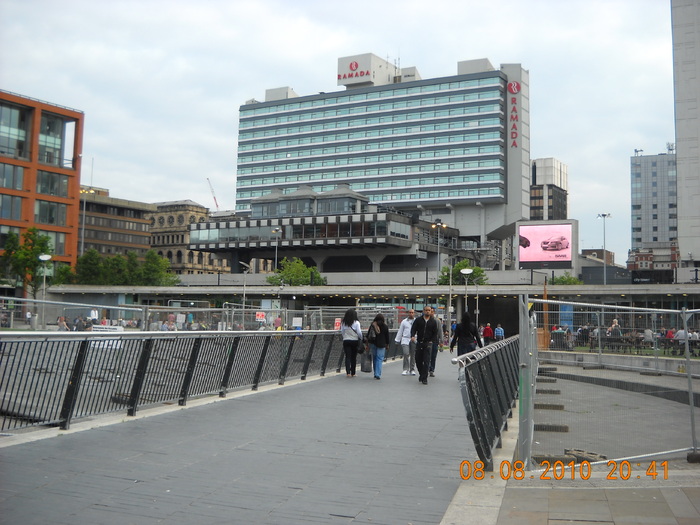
[{"x": 372, "y": 334}]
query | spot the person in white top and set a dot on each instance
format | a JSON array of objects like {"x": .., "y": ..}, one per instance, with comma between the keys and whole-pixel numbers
[
  {"x": 352, "y": 339},
  {"x": 403, "y": 337}
]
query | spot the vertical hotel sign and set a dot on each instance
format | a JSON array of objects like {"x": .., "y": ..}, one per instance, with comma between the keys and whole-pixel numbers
[{"x": 514, "y": 105}]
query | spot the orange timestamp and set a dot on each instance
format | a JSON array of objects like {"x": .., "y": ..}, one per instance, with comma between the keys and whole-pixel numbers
[{"x": 558, "y": 470}]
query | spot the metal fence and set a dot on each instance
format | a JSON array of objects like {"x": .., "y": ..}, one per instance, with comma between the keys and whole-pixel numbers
[
  {"x": 50, "y": 378},
  {"x": 488, "y": 381},
  {"x": 592, "y": 375}
]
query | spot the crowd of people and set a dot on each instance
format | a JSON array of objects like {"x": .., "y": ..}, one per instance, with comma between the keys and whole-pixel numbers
[{"x": 420, "y": 339}]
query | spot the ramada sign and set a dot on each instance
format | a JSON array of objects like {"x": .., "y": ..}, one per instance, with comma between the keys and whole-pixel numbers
[
  {"x": 514, "y": 89},
  {"x": 354, "y": 73}
]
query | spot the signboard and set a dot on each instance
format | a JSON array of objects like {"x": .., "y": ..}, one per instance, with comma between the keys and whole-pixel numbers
[
  {"x": 545, "y": 245},
  {"x": 260, "y": 317},
  {"x": 337, "y": 323}
]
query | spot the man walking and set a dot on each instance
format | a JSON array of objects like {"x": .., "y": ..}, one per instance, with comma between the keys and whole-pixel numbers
[
  {"x": 423, "y": 333},
  {"x": 403, "y": 337}
]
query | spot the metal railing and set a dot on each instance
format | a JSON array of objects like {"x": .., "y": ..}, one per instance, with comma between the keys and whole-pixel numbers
[
  {"x": 51, "y": 378},
  {"x": 488, "y": 381},
  {"x": 589, "y": 370}
]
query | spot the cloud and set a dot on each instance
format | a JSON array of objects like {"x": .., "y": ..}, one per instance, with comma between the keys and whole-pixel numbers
[{"x": 161, "y": 82}]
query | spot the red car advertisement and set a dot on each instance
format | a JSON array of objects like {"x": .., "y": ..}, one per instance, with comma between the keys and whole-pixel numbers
[{"x": 545, "y": 246}]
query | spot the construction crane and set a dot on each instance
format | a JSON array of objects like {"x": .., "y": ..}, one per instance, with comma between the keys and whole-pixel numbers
[{"x": 213, "y": 194}]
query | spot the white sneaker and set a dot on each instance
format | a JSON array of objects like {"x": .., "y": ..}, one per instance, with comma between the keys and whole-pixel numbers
[
  {"x": 404, "y": 373},
  {"x": 413, "y": 373}
]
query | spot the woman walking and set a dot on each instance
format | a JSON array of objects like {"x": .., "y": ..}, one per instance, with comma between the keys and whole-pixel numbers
[
  {"x": 352, "y": 339},
  {"x": 466, "y": 336},
  {"x": 378, "y": 337}
]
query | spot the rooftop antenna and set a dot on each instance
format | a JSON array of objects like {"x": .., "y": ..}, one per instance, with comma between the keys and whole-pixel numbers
[
  {"x": 670, "y": 147},
  {"x": 637, "y": 152}
]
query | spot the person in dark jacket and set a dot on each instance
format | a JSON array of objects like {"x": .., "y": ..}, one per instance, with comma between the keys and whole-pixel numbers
[
  {"x": 466, "y": 336},
  {"x": 379, "y": 343},
  {"x": 423, "y": 333}
]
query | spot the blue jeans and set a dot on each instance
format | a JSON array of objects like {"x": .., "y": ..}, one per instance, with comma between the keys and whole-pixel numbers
[{"x": 378, "y": 357}]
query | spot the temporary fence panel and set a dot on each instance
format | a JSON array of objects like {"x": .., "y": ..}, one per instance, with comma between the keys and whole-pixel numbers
[{"x": 617, "y": 361}]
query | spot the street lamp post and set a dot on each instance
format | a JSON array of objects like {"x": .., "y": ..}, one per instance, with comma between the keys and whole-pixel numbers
[
  {"x": 437, "y": 225},
  {"x": 605, "y": 262},
  {"x": 44, "y": 258},
  {"x": 276, "y": 231},
  {"x": 466, "y": 272}
]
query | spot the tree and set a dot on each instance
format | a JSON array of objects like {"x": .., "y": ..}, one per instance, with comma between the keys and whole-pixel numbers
[
  {"x": 478, "y": 276},
  {"x": 63, "y": 274},
  {"x": 567, "y": 278},
  {"x": 118, "y": 270},
  {"x": 155, "y": 271},
  {"x": 89, "y": 268},
  {"x": 22, "y": 260},
  {"x": 296, "y": 273}
]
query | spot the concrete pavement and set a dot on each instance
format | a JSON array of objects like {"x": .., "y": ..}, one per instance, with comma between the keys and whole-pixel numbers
[{"x": 329, "y": 450}]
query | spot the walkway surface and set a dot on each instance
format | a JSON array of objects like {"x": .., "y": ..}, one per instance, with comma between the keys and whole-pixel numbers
[{"x": 328, "y": 450}]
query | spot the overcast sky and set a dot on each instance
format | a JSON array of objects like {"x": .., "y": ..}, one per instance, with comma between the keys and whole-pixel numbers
[{"x": 161, "y": 82}]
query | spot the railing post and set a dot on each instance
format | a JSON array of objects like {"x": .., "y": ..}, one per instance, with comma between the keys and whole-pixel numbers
[
  {"x": 189, "y": 374},
  {"x": 327, "y": 356},
  {"x": 229, "y": 366},
  {"x": 309, "y": 355},
  {"x": 140, "y": 376},
  {"x": 285, "y": 360},
  {"x": 73, "y": 386},
  {"x": 261, "y": 363}
]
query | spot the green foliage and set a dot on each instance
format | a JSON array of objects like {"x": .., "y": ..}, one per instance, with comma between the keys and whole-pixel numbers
[
  {"x": 155, "y": 271},
  {"x": 93, "y": 269},
  {"x": 21, "y": 260},
  {"x": 567, "y": 278},
  {"x": 89, "y": 268},
  {"x": 63, "y": 274},
  {"x": 296, "y": 273},
  {"x": 478, "y": 276}
]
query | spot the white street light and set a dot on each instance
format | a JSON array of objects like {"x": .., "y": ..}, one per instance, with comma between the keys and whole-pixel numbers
[
  {"x": 466, "y": 272},
  {"x": 276, "y": 231},
  {"x": 437, "y": 225},
  {"x": 605, "y": 262},
  {"x": 44, "y": 258}
]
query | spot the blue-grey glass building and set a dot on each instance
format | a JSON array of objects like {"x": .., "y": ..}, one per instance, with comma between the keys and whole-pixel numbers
[{"x": 455, "y": 147}]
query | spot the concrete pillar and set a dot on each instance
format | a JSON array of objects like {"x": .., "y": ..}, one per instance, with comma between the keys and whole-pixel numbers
[{"x": 376, "y": 261}]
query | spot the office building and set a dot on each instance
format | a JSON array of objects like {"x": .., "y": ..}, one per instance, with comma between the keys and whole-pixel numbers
[
  {"x": 170, "y": 238},
  {"x": 685, "y": 17},
  {"x": 113, "y": 226},
  {"x": 654, "y": 198},
  {"x": 40, "y": 157},
  {"x": 549, "y": 190},
  {"x": 455, "y": 148},
  {"x": 336, "y": 231}
]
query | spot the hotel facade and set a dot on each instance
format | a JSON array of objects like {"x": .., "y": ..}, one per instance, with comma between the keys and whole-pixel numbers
[{"x": 453, "y": 150}]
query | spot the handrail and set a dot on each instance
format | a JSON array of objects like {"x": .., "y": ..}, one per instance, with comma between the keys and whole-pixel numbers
[{"x": 488, "y": 379}]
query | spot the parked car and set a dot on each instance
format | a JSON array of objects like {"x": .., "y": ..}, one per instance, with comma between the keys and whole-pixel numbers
[{"x": 558, "y": 242}]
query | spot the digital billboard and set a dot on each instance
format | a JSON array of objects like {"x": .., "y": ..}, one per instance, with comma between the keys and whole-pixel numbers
[{"x": 545, "y": 245}]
